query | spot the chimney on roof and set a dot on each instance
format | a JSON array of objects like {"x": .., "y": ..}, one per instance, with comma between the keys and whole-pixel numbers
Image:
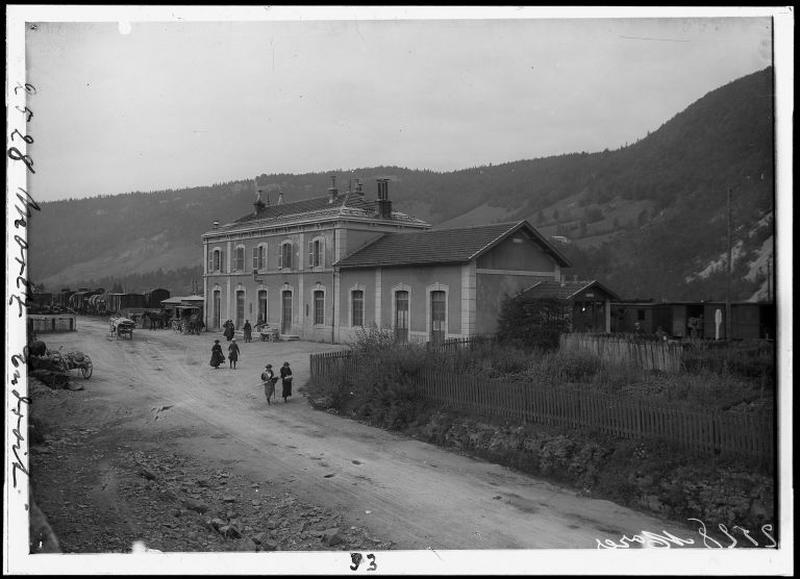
[
  {"x": 215, "y": 224},
  {"x": 280, "y": 197},
  {"x": 258, "y": 204},
  {"x": 359, "y": 189},
  {"x": 384, "y": 205},
  {"x": 333, "y": 192}
]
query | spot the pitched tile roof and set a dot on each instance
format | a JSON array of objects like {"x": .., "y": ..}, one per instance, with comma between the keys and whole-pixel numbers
[
  {"x": 456, "y": 245},
  {"x": 348, "y": 204},
  {"x": 564, "y": 290}
]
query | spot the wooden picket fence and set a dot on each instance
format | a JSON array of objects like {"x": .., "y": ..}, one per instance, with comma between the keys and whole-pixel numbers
[
  {"x": 704, "y": 431},
  {"x": 645, "y": 355}
]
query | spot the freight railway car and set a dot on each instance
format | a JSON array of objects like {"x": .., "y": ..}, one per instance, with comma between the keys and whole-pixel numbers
[
  {"x": 100, "y": 302},
  {"x": 97, "y": 304},
  {"x": 701, "y": 320},
  {"x": 61, "y": 299},
  {"x": 117, "y": 303},
  {"x": 154, "y": 297},
  {"x": 42, "y": 299},
  {"x": 79, "y": 301}
]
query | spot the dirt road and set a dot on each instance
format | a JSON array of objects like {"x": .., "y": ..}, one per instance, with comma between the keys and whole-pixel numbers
[{"x": 157, "y": 393}]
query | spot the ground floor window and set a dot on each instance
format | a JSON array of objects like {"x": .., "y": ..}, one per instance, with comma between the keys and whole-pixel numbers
[
  {"x": 319, "y": 307},
  {"x": 438, "y": 315},
  {"x": 216, "y": 310},
  {"x": 401, "y": 316},
  {"x": 357, "y": 301},
  {"x": 239, "y": 308}
]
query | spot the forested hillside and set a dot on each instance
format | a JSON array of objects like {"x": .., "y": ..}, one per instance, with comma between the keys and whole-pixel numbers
[{"x": 646, "y": 219}]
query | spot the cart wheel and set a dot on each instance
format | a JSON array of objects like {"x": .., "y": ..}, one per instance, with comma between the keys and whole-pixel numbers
[{"x": 87, "y": 370}]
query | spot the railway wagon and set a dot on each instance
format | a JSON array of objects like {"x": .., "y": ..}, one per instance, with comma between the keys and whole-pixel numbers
[
  {"x": 97, "y": 304},
  {"x": 61, "y": 299},
  {"x": 79, "y": 301},
  {"x": 154, "y": 297},
  {"x": 699, "y": 320},
  {"x": 42, "y": 300},
  {"x": 117, "y": 303}
]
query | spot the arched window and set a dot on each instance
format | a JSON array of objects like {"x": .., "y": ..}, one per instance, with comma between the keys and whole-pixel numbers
[
  {"x": 319, "y": 307},
  {"x": 216, "y": 260},
  {"x": 262, "y": 306}
]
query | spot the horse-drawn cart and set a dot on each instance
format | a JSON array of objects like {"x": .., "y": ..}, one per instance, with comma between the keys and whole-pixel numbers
[
  {"x": 122, "y": 328},
  {"x": 79, "y": 361},
  {"x": 268, "y": 333}
]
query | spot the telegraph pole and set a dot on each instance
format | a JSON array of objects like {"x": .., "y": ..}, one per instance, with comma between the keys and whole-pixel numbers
[{"x": 730, "y": 273}]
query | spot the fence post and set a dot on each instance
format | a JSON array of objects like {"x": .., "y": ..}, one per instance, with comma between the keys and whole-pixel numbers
[{"x": 639, "y": 418}]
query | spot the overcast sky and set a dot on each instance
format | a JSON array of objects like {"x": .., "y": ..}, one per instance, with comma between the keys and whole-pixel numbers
[{"x": 170, "y": 105}]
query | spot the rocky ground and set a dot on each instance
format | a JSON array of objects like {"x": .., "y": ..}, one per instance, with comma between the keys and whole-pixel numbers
[{"x": 102, "y": 494}]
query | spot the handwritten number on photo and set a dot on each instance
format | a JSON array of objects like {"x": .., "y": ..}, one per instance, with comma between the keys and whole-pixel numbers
[
  {"x": 29, "y": 88},
  {"x": 357, "y": 558},
  {"x": 27, "y": 138},
  {"x": 764, "y": 529},
  {"x": 17, "y": 155},
  {"x": 26, "y": 111},
  {"x": 706, "y": 538}
]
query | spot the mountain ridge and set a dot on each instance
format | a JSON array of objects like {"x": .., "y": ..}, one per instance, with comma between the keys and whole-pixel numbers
[{"x": 665, "y": 193}]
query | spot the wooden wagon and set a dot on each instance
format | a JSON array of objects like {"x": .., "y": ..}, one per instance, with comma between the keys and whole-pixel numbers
[
  {"x": 268, "y": 333},
  {"x": 79, "y": 361},
  {"x": 122, "y": 328}
]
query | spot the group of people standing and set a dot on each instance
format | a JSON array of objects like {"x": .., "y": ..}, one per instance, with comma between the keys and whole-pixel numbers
[
  {"x": 218, "y": 358},
  {"x": 268, "y": 376}
]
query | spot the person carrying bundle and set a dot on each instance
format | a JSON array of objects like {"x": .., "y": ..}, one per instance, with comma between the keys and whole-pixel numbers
[{"x": 269, "y": 379}]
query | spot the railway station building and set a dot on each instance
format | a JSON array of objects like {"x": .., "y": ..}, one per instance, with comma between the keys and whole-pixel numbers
[{"x": 324, "y": 268}]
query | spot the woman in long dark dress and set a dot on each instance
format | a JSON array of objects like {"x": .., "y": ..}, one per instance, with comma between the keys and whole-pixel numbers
[
  {"x": 286, "y": 381},
  {"x": 217, "y": 357}
]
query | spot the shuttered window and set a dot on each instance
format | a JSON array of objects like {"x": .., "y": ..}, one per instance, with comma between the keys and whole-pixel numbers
[
  {"x": 238, "y": 261},
  {"x": 285, "y": 255},
  {"x": 259, "y": 257},
  {"x": 315, "y": 253}
]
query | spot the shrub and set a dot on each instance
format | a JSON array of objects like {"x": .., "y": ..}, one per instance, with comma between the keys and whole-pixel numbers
[
  {"x": 532, "y": 323},
  {"x": 751, "y": 360},
  {"x": 555, "y": 368}
]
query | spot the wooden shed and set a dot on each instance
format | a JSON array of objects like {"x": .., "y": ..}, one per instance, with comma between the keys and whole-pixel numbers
[{"x": 589, "y": 301}]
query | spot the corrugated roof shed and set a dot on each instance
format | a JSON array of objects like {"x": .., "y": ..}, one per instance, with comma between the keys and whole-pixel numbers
[{"x": 457, "y": 245}]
